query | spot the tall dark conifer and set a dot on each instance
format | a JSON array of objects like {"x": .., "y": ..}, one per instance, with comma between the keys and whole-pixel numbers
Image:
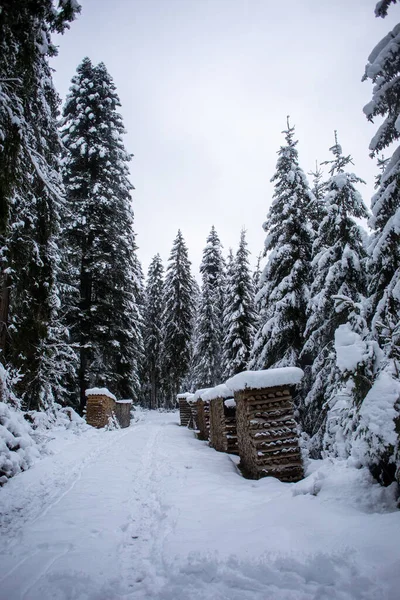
[
  {"x": 283, "y": 287},
  {"x": 338, "y": 271},
  {"x": 177, "y": 318},
  {"x": 153, "y": 334},
  {"x": 31, "y": 198},
  {"x": 209, "y": 326},
  {"x": 239, "y": 314},
  {"x": 104, "y": 309},
  {"x": 383, "y": 69}
]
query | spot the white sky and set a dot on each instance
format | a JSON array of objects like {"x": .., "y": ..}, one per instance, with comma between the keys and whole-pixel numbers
[{"x": 205, "y": 87}]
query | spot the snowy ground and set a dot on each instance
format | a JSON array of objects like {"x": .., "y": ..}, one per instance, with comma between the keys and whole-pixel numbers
[{"x": 150, "y": 512}]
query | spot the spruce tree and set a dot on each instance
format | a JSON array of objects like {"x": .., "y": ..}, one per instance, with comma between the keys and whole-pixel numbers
[
  {"x": 338, "y": 272},
  {"x": 104, "y": 307},
  {"x": 382, "y": 7},
  {"x": 153, "y": 333},
  {"x": 316, "y": 208},
  {"x": 209, "y": 327},
  {"x": 239, "y": 314},
  {"x": 31, "y": 192},
  {"x": 379, "y": 439},
  {"x": 177, "y": 319},
  {"x": 283, "y": 287},
  {"x": 383, "y": 69}
]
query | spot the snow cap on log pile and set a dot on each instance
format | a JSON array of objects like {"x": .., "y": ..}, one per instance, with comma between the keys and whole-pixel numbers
[
  {"x": 230, "y": 403},
  {"x": 219, "y": 391},
  {"x": 184, "y": 395},
  {"x": 190, "y": 399},
  {"x": 257, "y": 380},
  {"x": 100, "y": 392},
  {"x": 199, "y": 394}
]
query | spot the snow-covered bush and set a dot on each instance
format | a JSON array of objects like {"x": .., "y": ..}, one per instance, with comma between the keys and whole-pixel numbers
[
  {"x": 18, "y": 449},
  {"x": 377, "y": 438},
  {"x": 59, "y": 416}
]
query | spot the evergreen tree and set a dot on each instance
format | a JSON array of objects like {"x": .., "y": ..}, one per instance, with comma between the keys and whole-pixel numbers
[
  {"x": 239, "y": 314},
  {"x": 177, "y": 319},
  {"x": 383, "y": 69},
  {"x": 283, "y": 292},
  {"x": 31, "y": 337},
  {"x": 379, "y": 439},
  {"x": 382, "y": 7},
  {"x": 104, "y": 309},
  {"x": 209, "y": 327},
  {"x": 154, "y": 302},
  {"x": 316, "y": 208},
  {"x": 338, "y": 272},
  {"x": 257, "y": 272}
]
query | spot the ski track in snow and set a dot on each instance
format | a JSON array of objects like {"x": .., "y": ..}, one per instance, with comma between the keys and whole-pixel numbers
[{"x": 150, "y": 512}]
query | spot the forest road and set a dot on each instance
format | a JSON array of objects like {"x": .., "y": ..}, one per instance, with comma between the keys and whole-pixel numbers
[{"x": 150, "y": 512}]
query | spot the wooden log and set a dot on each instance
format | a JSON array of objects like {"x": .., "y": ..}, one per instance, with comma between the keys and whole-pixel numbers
[
  {"x": 184, "y": 412},
  {"x": 267, "y": 434},
  {"x": 99, "y": 410},
  {"x": 123, "y": 412},
  {"x": 223, "y": 435}
]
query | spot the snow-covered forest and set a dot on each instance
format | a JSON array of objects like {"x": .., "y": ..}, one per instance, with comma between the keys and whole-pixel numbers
[{"x": 77, "y": 311}]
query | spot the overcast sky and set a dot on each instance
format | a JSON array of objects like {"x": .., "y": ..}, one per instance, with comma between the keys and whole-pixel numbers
[{"x": 205, "y": 87}]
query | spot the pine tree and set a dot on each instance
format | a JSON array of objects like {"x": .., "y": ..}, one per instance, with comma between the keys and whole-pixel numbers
[
  {"x": 31, "y": 337},
  {"x": 379, "y": 440},
  {"x": 209, "y": 327},
  {"x": 316, "y": 208},
  {"x": 283, "y": 292},
  {"x": 383, "y": 69},
  {"x": 177, "y": 319},
  {"x": 153, "y": 334},
  {"x": 239, "y": 314},
  {"x": 104, "y": 309},
  {"x": 382, "y": 7},
  {"x": 338, "y": 272}
]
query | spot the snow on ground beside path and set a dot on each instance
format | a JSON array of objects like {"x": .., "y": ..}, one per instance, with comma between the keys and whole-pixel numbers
[{"x": 150, "y": 512}]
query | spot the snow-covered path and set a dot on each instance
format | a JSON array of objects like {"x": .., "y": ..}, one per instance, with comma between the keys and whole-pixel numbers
[{"x": 150, "y": 512}]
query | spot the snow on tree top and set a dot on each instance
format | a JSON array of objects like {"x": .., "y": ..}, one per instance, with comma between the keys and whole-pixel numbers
[
  {"x": 184, "y": 396},
  {"x": 100, "y": 392},
  {"x": 219, "y": 391},
  {"x": 265, "y": 379}
]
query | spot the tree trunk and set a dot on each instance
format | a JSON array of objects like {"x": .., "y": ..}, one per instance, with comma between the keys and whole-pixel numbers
[
  {"x": 153, "y": 391},
  {"x": 4, "y": 308}
]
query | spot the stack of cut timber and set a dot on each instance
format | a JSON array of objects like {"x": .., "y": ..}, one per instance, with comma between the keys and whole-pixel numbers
[
  {"x": 223, "y": 435},
  {"x": 197, "y": 420},
  {"x": 184, "y": 409},
  {"x": 266, "y": 429},
  {"x": 123, "y": 412},
  {"x": 203, "y": 419},
  {"x": 230, "y": 426},
  {"x": 193, "y": 412},
  {"x": 100, "y": 407}
]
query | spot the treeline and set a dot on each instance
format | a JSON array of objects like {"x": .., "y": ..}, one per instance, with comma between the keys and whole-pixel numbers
[{"x": 76, "y": 311}]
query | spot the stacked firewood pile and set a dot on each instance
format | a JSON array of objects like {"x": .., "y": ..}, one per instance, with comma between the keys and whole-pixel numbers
[
  {"x": 184, "y": 409},
  {"x": 103, "y": 409},
  {"x": 199, "y": 415},
  {"x": 257, "y": 423},
  {"x": 193, "y": 412},
  {"x": 203, "y": 418},
  {"x": 223, "y": 435},
  {"x": 123, "y": 412},
  {"x": 266, "y": 429}
]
